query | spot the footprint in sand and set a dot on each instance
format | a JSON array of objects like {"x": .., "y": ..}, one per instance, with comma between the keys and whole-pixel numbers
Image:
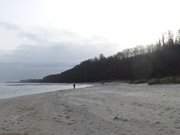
[{"x": 63, "y": 119}]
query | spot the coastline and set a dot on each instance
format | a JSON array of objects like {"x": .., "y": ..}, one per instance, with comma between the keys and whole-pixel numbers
[
  {"x": 109, "y": 109},
  {"x": 10, "y": 90}
]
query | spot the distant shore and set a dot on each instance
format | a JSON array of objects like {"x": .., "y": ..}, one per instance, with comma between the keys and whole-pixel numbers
[{"x": 104, "y": 109}]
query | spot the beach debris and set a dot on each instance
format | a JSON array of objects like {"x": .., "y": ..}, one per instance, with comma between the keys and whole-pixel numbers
[
  {"x": 120, "y": 119},
  {"x": 157, "y": 122}
]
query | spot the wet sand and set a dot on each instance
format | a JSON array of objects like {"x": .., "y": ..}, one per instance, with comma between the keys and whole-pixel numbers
[{"x": 109, "y": 109}]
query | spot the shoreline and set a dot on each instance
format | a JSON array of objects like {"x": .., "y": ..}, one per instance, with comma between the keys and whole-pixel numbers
[
  {"x": 109, "y": 109},
  {"x": 10, "y": 90}
]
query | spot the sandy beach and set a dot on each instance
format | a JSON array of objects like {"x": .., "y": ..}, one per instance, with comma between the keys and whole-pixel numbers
[{"x": 109, "y": 109}]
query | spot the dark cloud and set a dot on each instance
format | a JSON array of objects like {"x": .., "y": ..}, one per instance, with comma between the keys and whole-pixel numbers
[
  {"x": 43, "y": 53},
  {"x": 38, "y": 61}
]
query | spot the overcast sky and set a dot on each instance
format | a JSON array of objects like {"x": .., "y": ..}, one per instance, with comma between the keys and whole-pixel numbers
[{"x": 48, "y": 36}]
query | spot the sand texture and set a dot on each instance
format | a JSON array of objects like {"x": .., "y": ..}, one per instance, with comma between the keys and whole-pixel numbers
[{"x": 109, "y": 109}]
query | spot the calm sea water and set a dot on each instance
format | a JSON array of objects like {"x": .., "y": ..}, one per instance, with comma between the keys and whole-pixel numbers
[{"x": 8, "y": 90}]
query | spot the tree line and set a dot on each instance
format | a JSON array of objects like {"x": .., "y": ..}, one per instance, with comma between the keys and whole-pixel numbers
[{"x": 140, "y": 63}]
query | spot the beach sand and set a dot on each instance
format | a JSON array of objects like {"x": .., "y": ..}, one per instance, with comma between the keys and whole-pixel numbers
[{"x": 109, "y": 109}]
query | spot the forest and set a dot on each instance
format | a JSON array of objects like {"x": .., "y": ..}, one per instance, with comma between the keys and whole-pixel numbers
[{"x": 138, "y": 64}]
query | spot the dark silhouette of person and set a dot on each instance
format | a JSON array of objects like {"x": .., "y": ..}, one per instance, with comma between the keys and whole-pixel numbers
[{"x": 74, "y": 85}]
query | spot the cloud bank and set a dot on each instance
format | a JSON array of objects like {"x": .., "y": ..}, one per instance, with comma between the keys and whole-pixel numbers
[{"x": 36, "y": 52}]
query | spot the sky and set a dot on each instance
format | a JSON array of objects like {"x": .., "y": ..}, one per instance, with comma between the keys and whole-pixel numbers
[{"x": 39, "y": 37}]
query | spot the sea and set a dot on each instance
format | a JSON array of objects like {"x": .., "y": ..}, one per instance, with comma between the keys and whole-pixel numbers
[{"x": 9, "y": 90}]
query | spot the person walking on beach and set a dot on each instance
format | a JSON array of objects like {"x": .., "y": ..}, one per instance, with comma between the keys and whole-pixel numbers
[{"x": 74, "y": 85}]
